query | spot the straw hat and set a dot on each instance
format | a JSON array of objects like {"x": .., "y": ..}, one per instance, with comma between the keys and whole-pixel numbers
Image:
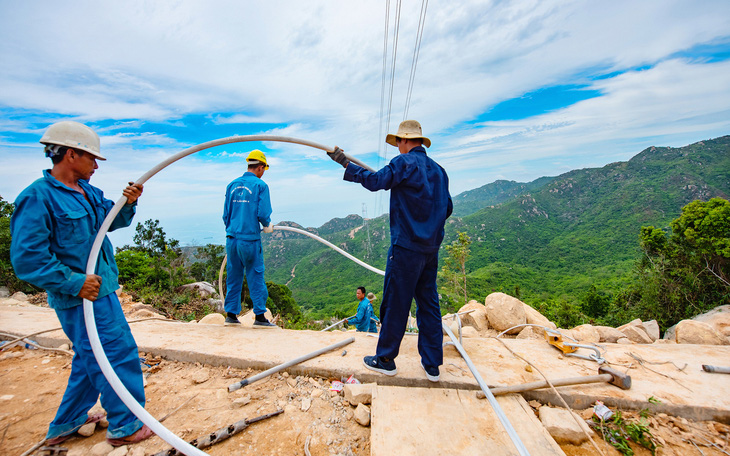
[
  {"x": 371, "y": 297},
  {"x": 408, "y": 129}
]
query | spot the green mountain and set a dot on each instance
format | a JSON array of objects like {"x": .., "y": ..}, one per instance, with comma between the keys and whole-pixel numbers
[{"x": 554, "y": 237}]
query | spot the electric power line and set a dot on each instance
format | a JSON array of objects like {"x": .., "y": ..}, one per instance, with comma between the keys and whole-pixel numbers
[{"x": 416, "y": 52}]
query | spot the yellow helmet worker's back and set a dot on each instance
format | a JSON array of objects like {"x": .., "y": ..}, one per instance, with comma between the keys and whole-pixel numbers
[{"x": 256, "y": 156}]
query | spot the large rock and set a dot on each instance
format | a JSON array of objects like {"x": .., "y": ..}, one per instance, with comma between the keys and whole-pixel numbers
[
  {"x": 717, "y": 318},
  {"x": 20, "y": 296},
  {"x": 563, "y": 427},
  {"x": 636, "y": 334},
  {"x": 609, "y": 334},
  {"x": 651, "y": 328},
  {"x": 212, "y": 319},
  {"x": 586, "y": 334},
  {"x": 531, "y": 333},
  {"x": 504, "y": 312},
  {"x": 698, "y": 332},
  {"x": 477, "y": 318},
  {"x": 4, "y": 292},
  {"x": 204, "y": 289},
  {"x": 534, "y": 317}
]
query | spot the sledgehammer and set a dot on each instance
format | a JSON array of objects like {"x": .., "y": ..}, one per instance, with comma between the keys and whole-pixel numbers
[{"x": 605, "y": 374}]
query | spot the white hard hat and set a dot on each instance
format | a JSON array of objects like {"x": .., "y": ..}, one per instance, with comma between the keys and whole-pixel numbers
[{"x": 74, "y": 135}]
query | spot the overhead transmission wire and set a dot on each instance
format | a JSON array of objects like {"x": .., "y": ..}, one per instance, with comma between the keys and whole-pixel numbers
[
  {"x": 381, "y": 153},
  {"x": 394, "y": 54},
  {"x": 416, "y": 52}
]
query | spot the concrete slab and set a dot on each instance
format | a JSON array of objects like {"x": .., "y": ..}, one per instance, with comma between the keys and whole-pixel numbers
[
  {"x": 690, "y": 392},
  {"x": 416, "y": 421}
]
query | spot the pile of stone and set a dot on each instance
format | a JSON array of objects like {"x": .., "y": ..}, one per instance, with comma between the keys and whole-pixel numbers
[{"x": 507, "y": 316}]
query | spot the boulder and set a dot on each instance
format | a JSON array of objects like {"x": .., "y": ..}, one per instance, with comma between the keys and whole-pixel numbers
[
  {"x": 248, "y": 318},
  {"x": 624, "y": 341},
  {"x": 563, "y": 427},
  {"x": 217, "y": 305},
  {"x": 204, "y": 289},
  {"x": 534, "y": 317},
  {"x": 635, "y": 322},
  {"x": 698, "y": 332},
  {"x": 504, "y": 312},
  {"x": 358, "y": 393},
  {"x": 651, "y": 328},
  {"x": 477, "y": 318},
  {"x": 531, "y": 333},
  {"x": 609, "y": 334},
  {"x": 212, "y": 319},
  {"x": 636, "y": 334},
  {"x": 4, "y": 292},
  {"x": 20, "y": 296},
  {"x": 586, "y": 334},
  {"x": 469, "y": 331}
]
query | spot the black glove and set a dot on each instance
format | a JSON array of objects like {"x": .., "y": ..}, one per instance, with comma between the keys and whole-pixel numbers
[{"x": 339, "y": 156}]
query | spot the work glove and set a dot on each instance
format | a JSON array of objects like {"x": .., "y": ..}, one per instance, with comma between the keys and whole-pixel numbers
[
  {"x": 339, "y": 156},
  {"x": 269, "y": 228}
]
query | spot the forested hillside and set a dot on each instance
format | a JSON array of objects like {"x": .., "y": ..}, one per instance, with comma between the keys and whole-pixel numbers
[{"x": 546, "y": 239}]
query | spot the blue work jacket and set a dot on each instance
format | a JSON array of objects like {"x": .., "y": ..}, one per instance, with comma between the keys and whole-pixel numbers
[
  {"x": 365, "y": 318},
  {"x": 53, "y": 228},
  {"x": 420, "y": 201},
  {"x": 247, "y": 204}
]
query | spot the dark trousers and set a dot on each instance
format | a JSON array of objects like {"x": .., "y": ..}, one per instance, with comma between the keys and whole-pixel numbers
[{"x": 408, "y": 275}]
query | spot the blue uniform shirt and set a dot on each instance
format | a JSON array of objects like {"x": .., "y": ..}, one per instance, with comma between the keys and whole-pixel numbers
[
  {"x": 53, "y": 228},
  {"x": 419, "y": 199},
  {"x": 365, "y": 318},
  {"x": 247, "y": 204}
]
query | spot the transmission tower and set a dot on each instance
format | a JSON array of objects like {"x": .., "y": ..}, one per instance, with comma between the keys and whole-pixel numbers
[{"x": 367, "y": 227}]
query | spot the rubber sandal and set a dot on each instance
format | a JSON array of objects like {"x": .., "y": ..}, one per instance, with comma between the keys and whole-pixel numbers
[
  {"x": 143, "y": 433},
  {"x": 95, "y": 418}
]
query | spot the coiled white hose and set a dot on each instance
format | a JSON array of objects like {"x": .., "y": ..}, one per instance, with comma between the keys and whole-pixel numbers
[{"x": 101, "y": 358}]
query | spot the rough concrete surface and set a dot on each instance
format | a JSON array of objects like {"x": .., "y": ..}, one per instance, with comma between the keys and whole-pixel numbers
[{"x": 672, "y": 374}]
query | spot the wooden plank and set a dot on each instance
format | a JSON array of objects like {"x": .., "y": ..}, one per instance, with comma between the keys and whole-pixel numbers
[{"x": 432, "y": 421}]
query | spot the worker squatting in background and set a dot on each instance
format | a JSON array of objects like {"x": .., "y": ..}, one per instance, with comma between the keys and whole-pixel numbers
[
  {"x": 365, "y": 319},
  {"x": 53, "y": 227},
  {"x": 247, "y": 205},
  {"x": 420, "y": 203}
]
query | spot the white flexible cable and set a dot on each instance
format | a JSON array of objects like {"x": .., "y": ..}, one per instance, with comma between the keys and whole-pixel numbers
[
  {"x": 106, "y": 368},
  {"x": 330, "y": 245}
]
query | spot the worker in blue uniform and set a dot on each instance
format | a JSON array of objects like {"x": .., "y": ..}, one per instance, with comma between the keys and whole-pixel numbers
[
  {"x": 53, "y": 227},
  {"x": 420, "y": 203},
  {"x": 365, "y": 319},
  {"x": 247, "y": 205}
]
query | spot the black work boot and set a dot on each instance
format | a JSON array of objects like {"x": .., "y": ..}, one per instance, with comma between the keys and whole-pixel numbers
[
  {"x": 231, "y": 320},
  {"x": 262, "y": 323}
]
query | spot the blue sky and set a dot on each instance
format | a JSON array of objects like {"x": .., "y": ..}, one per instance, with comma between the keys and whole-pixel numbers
[{"x": 505, "y": 90}]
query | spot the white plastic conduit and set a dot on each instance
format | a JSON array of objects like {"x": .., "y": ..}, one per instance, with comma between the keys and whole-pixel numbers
[{"x": 106, "y": 368}]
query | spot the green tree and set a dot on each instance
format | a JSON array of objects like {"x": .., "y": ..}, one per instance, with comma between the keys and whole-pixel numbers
[
  {"x": 687, "y": 272},
  {"x": 208, "y": 263},
  {"x": 160, "y": 260},
  {"x": 453, "y": 271},
  {"x": 7, "y": 273}
]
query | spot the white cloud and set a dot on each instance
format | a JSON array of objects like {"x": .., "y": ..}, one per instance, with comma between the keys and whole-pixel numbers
[{"x": 314, "y": 69}]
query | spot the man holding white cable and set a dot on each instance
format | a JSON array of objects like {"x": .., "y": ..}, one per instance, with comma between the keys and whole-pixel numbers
[
  {"x": 53, "y": 228},
  {"x": 420, "y": 203}
]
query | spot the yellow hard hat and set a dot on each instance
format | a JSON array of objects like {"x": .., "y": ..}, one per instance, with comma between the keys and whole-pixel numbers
[{"x": 256, "y": 156}]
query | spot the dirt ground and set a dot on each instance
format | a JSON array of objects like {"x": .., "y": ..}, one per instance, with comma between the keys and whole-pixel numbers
[{"x": 197, "y": 401}]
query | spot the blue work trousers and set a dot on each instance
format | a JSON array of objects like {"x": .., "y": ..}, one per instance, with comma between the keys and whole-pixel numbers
[
  {"x": 248, "y": 257},
  {"x": 410, "y": 274},
  {"x": 87, "y": 381}
]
